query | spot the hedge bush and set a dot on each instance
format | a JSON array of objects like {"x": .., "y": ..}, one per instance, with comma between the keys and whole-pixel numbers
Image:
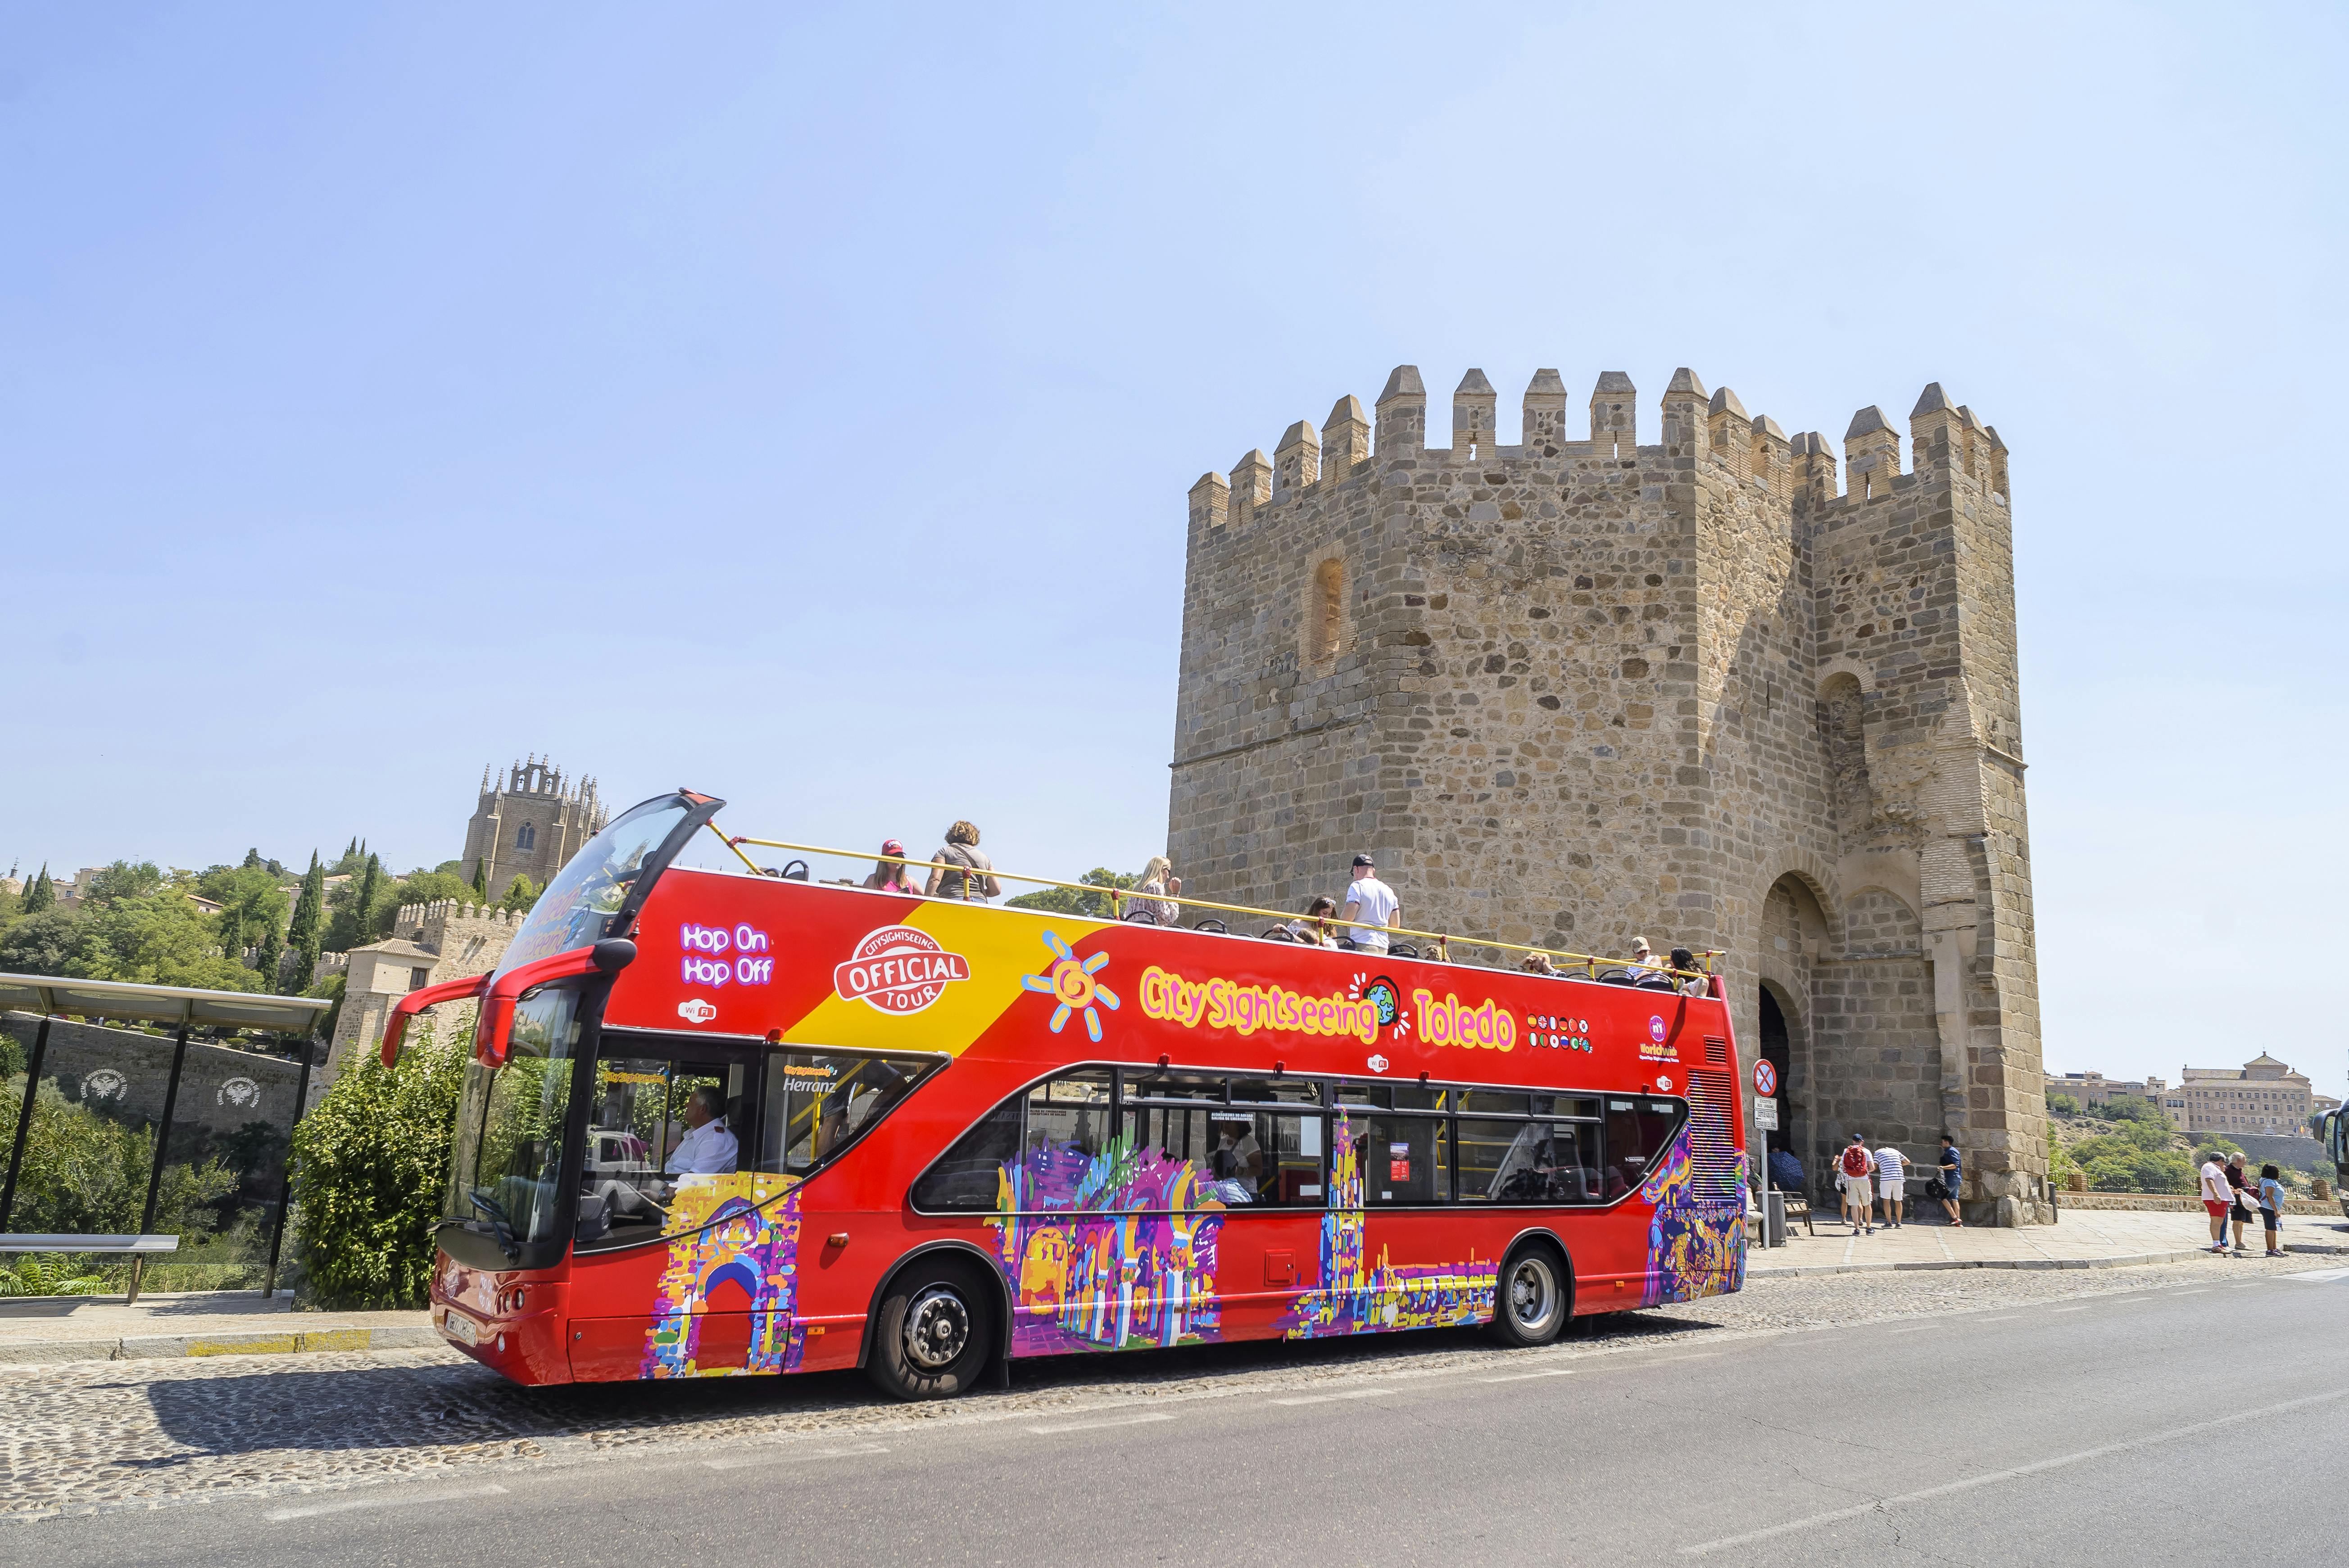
[{"x": 370, "y": 1162}]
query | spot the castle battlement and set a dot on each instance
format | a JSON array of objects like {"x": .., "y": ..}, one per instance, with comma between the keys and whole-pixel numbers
[
  {"x": 1710, "y": 430},
  {"x": 1727, "y": 686}
]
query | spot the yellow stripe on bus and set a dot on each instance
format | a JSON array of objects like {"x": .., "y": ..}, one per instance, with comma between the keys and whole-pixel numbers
[{"x": 998, "y": 951}]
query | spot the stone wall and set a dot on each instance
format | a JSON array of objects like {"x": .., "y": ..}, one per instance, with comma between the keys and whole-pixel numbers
[{"x": 1571, "y": 691}]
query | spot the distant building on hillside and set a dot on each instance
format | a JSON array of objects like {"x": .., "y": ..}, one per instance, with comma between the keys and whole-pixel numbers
[
  {"x": 529, "y": 824},
  {"x": 2095, "y": 1088},
  {"x": 2263, "y": 1097}
]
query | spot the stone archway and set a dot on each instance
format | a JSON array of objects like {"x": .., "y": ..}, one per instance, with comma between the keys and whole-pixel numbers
[{"x": 1794, "y": 940}]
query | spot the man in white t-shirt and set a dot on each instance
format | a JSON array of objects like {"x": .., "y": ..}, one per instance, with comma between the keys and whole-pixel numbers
[
  {"x": 2218, "y": 1197},
  {"x": 1370, "y": 908},
  {"x": 1891, "y": 1183}
]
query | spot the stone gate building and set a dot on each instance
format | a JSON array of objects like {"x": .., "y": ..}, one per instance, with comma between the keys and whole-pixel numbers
[{"x": 1569, "y": 691}]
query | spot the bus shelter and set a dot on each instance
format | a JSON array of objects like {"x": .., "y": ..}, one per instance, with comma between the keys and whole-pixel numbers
[{"x": 130, "y": 1106}]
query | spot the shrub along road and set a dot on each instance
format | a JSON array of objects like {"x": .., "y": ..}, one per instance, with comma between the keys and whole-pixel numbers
[{"x": 2007, "y": 1416}]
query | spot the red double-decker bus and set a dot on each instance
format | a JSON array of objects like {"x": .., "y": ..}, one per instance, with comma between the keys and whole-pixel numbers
[{"x": 720, "y": 1123}]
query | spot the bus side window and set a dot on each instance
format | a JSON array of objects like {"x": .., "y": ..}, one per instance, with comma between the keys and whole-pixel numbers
[
  {"x": 1070, "y": 1114},
  {"x": 969, "y": 1177},
  {"x": 1636, "y": 1133}
]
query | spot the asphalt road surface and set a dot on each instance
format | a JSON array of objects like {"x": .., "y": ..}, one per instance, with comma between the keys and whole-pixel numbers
[{"x": 2198, "y": 1417}]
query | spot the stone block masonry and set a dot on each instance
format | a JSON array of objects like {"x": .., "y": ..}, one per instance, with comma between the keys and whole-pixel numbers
[{"x": 1703, "y": 689}]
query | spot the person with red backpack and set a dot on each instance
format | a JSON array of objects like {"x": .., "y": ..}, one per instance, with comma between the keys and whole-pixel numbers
[{"x": 1854, "y": 1166}]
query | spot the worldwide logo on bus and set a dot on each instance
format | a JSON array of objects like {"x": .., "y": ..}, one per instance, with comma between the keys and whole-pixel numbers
[
  {"x": 1654, "y": 1047},
  {"x": 897, "y": 970}
]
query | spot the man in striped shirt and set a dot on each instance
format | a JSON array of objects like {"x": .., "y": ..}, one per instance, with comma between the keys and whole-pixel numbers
[{"x": 1891, "y": 1182}]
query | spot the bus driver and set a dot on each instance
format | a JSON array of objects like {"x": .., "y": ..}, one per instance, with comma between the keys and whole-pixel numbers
[{"x": 708, "y": 1147}]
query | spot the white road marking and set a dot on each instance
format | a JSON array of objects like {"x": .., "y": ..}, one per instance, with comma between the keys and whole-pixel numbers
[
  {"x": 2318, "y": 1276},
  {"x": 1111, "y": 1422},
  {"x": 2081, "y": 1307},
  {"x": 1521, "y": 1376},
  {"x": 792, "y": 1456},
  {"x": 1918, "y": 1330},
  {"x": 405, "y": 1500},
  {"x": 2017, "y": 1473},
  {"x": 1325, "y": 1399},
  {"x": 2198, "y": 1290}
]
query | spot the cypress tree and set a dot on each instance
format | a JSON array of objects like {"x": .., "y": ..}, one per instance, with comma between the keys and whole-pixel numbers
[
  {"x": 368, "y": 880},
  {"x": 252, "y": 859},
  {"x": 481, "y": 879},
  {"x": 309, "y": 912},
  {"x": 272, "y": 957},
  {"x": 42, "y": 893}
]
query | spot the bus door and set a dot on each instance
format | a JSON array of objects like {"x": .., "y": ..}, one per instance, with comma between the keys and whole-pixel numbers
[
  {"x": 662, "y": 1143},
  {"x": 1243, "y": 1161}
]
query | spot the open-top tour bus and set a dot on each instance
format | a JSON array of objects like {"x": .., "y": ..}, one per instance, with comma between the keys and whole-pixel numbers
[{"x": 726, "y": 1122}]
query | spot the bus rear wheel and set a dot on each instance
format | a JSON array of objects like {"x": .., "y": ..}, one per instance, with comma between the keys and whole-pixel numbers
[
  {"x": 932, "y": 1335},
  {"x": 1530, "y": 1302}
]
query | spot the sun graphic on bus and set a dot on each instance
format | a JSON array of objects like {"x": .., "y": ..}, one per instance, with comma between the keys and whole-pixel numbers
[{"x": 1071, "y": 982}]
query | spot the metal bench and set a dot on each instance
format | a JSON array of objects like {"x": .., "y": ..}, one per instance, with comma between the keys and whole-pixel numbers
[{"x": 137, "y": 1249}]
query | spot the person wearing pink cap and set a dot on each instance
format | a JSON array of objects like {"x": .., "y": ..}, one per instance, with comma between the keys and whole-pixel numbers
[{"x": 889, "y": 873}]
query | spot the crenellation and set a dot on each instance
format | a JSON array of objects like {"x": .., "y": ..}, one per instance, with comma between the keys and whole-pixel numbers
[
  {"x": 1570, "y": 691},
  {"x": 1474, "y": 414},
  {"x": 1614, "y": 418},
  {"x": 1210, "y": 505},
  {"x": 1296, "y": 462},
  {"x": 1251, "y": 486},
  {"x": 1345, "y": 440},
  {"x": 1402, "y": 415}
]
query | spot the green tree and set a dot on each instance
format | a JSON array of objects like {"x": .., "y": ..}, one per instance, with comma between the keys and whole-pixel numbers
[
  {"x": 253, "y": 906},
  {"x": 42, "y": 944},
  {"x": 42, "y": 894},
  {"x": 370, "y": 1162},
  {"x": 158, "y": 939},
  {"x": 308, "y": 923},
  {"x": 354, "y": 908},
  {"x": 481, "y": 880},
  {"x": 270, "y": 960},
  {"x": 2062, "y": 1104},
  {"x": 1069, "y": 900},
  {"x": 127, "y": 879},
  {"x": 519, "y": 897},
  {"x": 86, "y": 1173}
]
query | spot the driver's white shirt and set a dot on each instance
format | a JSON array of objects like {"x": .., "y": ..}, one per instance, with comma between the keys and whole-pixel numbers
[{"x": 708, "y": 1149}]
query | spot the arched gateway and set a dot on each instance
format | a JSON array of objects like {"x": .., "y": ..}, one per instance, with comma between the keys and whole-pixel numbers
[{"x": 1568, "y": 692}]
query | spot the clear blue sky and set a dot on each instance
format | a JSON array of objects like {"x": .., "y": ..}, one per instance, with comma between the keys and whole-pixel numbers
[{"x": 801, "y": 407}]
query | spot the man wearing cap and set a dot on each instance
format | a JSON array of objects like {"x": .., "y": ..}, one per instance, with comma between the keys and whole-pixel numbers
[
  {"x": 1371, "y": 909},
  {"x": 889, "y": 873}
]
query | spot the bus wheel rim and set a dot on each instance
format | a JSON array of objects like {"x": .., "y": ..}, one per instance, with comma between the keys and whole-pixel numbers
[
  {"x": 938, "y": 1327},
  {"x": 1532, "y": 1292}
]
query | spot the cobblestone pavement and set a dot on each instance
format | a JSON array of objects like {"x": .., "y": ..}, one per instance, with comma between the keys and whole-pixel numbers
[{"x": 89, "y": 1435}]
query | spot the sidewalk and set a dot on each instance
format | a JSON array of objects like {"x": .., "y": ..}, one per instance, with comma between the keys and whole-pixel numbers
[
  {"x": 207, "y": 1323},
  {"x": 2081, "y": 1239}
]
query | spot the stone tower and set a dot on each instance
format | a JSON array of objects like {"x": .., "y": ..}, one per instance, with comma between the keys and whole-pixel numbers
[
  {"x": 1569, "y": 691},
  {"x": 529, "y": 823}
]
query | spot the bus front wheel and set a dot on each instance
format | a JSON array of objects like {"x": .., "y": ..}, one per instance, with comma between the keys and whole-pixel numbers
[
  {"x": 934, "y": 1333},
  {"x": 1531, "y": 1302}
]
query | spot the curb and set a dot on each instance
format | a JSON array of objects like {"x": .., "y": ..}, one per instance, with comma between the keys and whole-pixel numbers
[
  {"x": 169, "y": 1346},
  {"x": 2129, "y": 1260}
]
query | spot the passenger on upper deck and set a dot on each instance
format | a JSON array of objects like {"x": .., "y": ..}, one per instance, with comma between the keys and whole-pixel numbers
[
  {"x": 1685, "y": 962},
  {"x": 1537, "y": 963},
  {"x": 708, "y": 1147},
  {"x": 1158, "y": 888},
  {"x": 1312, "y": 928},
  {"x": 890, "y": 873},
  {"x": 1370, "y": 908},
  {"x": 966, "y": 874}
]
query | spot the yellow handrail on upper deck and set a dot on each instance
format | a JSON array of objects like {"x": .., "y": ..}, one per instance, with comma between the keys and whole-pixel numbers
[{"x": 1117, "y": 896}]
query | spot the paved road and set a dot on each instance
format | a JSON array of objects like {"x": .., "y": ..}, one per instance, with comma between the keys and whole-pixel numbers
[{"x": 2180, "y": 1414}]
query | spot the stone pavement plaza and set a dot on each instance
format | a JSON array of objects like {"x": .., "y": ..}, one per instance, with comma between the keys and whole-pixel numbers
[{"x": 2082, "y": 1238}]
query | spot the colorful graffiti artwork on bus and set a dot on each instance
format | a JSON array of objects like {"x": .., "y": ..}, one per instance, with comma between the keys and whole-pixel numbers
[
  {"x": 1694, "y": 1248},
  {"x": 1359, "y": 1298},
  {"x": 723, "y": 1306},
  {"x": 1139, "y": 1269}
]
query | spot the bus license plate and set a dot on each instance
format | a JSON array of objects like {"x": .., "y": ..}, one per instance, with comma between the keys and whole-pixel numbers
[{"x": 460, "y": 1326}]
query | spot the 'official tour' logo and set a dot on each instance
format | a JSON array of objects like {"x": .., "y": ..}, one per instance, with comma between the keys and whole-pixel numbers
[{"x": 897, "y": 970}]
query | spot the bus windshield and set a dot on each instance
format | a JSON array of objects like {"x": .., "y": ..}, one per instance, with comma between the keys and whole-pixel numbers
[
  {"x": 505, "y": 1172},
  {"x": 577, "y": 907}
]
